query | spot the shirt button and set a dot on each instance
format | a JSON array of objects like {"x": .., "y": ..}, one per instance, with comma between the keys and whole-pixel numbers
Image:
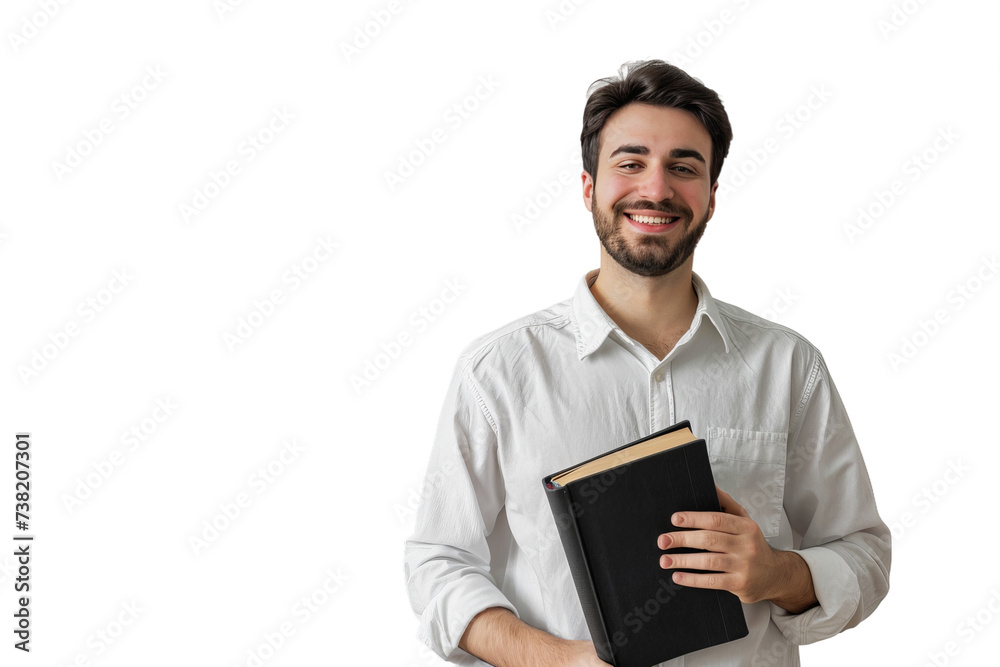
[{"x": 658, "y": 376}]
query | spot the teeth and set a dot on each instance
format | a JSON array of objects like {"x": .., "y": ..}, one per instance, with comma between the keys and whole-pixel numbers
[{"x": 650, "y": 220}]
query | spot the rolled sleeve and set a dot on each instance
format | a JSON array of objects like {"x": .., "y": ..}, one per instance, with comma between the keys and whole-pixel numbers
[
  {"x": 447, "y": 559},
  {"x": 831, "y": 508}
]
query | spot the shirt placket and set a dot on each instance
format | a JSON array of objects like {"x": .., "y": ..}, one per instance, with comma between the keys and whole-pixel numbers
[{"x": 661, "y": 398}]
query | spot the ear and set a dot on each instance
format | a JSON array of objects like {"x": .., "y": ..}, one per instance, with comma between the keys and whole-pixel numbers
[
  {"x": 588, "y": 191},
  {"x": 711, "y": 200}
]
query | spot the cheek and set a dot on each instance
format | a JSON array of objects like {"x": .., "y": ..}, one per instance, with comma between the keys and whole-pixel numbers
[
  {"x": 697, "y": 197},
  {"x": 610, "y": 194}
]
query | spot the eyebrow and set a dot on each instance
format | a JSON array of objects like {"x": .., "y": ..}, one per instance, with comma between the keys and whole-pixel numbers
[{"x": 642, "y": 150}]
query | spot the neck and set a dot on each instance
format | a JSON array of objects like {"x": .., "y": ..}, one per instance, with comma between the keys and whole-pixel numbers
[{"x": 653, "y": 310}]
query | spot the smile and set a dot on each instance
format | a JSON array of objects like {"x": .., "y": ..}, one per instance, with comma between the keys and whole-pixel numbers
[{"x": 652, "y": 220}]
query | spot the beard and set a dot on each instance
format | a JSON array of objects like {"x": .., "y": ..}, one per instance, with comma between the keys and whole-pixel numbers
[{"x": 652, "y": 254}]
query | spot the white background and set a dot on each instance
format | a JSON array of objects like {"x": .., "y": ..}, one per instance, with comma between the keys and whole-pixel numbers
[{"x": 779, "y": 245}]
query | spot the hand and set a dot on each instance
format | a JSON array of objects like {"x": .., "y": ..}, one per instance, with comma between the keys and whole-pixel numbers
[
  {"x": 741, "y": 561},
  {"x": 580, "y": 654}
]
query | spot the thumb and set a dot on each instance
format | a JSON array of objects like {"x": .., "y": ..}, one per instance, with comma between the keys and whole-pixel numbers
[{"x": 729, "y": 505}]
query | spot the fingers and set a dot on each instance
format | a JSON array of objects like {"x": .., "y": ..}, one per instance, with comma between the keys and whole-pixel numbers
[
  {"x": 699, "y": 539},
  {"x": 709, "y": 562},
  {"x": 717, "y": 570},
  {"x": 717, "y": 581},
  {"x": 719, "y": 521}
]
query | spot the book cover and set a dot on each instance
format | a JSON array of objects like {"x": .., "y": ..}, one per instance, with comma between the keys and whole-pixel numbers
[{"x": 608, "y": 522}]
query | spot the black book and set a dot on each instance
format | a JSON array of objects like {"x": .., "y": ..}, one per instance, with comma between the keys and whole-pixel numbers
[{"x": 609, "y": 511}]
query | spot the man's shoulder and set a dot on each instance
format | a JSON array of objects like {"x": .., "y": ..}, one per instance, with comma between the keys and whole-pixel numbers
[
  {"x": 514, "y": 334},
  {"x": 750, "y": 332}
]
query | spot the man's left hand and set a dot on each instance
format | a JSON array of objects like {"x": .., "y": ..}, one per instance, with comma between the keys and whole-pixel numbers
[{"x": 739, "y": 559}]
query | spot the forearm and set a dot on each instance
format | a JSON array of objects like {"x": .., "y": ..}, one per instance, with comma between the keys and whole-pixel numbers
[{"x": 500, "y": 638}]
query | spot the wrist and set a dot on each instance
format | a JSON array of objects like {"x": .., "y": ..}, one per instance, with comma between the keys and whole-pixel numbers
[
  {"x": 794, "y": 591},
  {"x": 548, "y": 649}
]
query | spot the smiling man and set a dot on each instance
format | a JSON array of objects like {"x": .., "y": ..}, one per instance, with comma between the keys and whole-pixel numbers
[{"x": 640, "y": 346}]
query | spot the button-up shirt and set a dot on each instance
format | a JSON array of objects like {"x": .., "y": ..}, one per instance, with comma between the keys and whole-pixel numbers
[{"x": 565, "y": 384}]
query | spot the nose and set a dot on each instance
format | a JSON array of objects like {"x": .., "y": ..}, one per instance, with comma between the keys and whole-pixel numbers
[{"x": 655, "y": 185}]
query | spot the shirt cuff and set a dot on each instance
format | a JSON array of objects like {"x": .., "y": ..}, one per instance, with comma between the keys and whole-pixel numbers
[
  {"x": 836, "y": 588},
  {"x": 445, "y": 619}
]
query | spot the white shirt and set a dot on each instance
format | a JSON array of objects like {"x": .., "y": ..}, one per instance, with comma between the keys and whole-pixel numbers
[{"x": 565, "y": 384}]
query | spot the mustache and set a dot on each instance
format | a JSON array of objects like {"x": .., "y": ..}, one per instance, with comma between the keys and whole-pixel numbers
[{"x": 667, "y": 208}]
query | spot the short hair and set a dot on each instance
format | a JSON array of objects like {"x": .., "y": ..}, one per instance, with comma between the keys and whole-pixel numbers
[{"x": 662, "y": 84}]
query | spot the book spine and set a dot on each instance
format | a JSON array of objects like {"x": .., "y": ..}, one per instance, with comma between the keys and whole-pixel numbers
[{"x": 561, "y": 502}]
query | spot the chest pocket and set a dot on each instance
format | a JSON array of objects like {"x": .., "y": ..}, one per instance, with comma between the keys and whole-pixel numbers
[{"x": 750, "y": 466}]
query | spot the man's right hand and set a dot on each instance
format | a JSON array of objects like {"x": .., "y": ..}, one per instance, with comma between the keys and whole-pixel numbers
[{"x": 500, "y": 638}]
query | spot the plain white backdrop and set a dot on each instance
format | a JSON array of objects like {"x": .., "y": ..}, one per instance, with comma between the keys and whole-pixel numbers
[{"x": 214, "y": 215}]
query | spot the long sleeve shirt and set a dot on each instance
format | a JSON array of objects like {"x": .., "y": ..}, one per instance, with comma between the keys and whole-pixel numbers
[{"x": 566, "y": 384}]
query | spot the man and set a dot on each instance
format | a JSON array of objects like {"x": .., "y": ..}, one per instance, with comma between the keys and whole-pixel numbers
[{"x": 640, "y": 346}]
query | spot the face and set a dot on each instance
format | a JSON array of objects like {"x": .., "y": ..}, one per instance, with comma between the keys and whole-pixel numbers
[{"x": 652, "y": 198}]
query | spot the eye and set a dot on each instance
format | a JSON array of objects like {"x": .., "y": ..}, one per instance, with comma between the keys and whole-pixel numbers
[
  {"x": 626, "y": 166},
  {"x": 683, "y": 168}
]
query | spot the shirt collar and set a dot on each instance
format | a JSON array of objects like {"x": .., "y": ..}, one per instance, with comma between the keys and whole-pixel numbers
[{"x": 594, "y": 326}]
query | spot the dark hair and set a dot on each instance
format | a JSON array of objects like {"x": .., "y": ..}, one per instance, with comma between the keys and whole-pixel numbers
[{"x": 662, "y": 84}]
